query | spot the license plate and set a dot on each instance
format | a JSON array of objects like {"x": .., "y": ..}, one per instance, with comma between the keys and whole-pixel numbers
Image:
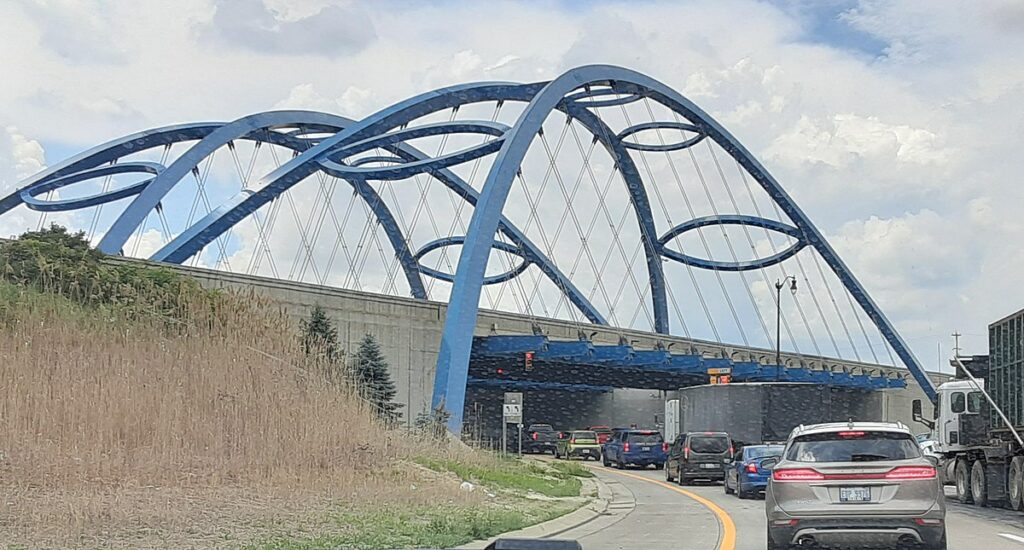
[
  {"x": 854, "y": 494},
  {"x": 645, "y": 448},
  {"x": 709, "y": 466}
]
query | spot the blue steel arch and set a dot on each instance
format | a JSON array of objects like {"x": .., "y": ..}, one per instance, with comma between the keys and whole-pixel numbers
[
  {"x": 574, "y": 93},
  {"x": 320, "y": 157},
  {"x": 456, "y": 341}
]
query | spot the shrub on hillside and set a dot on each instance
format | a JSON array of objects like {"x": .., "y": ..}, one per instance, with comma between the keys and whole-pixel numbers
[{"x": 58, "y": 261}]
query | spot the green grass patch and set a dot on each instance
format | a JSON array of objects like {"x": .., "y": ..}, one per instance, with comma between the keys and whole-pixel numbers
[
  {"x": 571, "y": 468},
  {"x": 419, "y": 527},
  {"x": 515, "y": 475}
]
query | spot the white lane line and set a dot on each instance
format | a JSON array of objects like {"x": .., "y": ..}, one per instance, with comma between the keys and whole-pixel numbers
[{"x": 1012, "y": 537}]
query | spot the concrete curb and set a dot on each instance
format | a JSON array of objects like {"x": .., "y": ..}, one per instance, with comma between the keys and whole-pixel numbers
[{"x": 596, "y": 508}]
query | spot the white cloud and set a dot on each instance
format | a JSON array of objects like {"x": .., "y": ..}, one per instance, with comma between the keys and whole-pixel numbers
[{"x": 843, "y": 139}]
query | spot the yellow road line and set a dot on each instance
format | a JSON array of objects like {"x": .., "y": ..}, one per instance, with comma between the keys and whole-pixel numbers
[{"x": 728, "y": 541}]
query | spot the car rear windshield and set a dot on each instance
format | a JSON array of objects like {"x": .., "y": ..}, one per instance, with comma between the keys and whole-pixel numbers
[
  {"x": 761, "y": 452},
  {"x": 541, "y": 428},
  {"x": 584, "y": 435},
  {"x": 644, "y": 438},
  {"x": 709, "y": 443},
  {"x": 853, "y": 446}
]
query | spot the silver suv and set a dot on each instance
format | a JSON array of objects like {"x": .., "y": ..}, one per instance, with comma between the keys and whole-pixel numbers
[{"x": 854, "y": 484}]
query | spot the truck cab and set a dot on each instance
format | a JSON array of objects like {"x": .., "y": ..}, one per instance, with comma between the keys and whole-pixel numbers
[{"x": 959, "y": 423}]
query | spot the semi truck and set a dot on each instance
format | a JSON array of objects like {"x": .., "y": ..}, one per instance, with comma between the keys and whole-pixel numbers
[
  {"x": 759, "y": 412},
  {"x": 979, "y": 417}
]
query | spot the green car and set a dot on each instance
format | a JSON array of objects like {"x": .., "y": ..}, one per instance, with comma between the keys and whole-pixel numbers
[{"x": 579, "y": 443}]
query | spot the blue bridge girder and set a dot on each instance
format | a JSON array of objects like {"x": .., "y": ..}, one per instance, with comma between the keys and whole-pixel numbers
[
  {"x": 326, "y": 143},
  {"x": 620, "y": 365}
]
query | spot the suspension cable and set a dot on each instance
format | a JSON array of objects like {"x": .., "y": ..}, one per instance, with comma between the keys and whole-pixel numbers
[
  {"x": 782, "y": 268},
  {"x": 676, "y": 240}
]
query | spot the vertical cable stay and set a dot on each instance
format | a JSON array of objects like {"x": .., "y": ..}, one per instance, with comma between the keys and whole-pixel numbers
[
  {"x": 860, "y": 323},
  {"x": 570, "y": 211},
  {"x": 803, "y": 272},
  {"x": 327, "y": 188},
  {"x": 339, "y": 240},
  {"x": 835, "y": 304},
  {"x": 601, "y": 192},
  {"x": 321, "y": 202},
  {"x": 676, "y": 240},
  {"x": 725, "y": 235},
  {"x": 615, "y": 231},
  {"x": 264, "y": 228},
  {"x": 753, "y": 249},
  {"x": 781, "y": 265},
  {"x": 534, "y": 202}
]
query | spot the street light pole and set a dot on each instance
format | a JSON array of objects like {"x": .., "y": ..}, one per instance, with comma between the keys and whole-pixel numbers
[{"x": 778, "y": 319}]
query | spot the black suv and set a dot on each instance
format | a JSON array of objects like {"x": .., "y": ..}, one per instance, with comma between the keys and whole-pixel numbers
[{"x": 699, "y": 455}]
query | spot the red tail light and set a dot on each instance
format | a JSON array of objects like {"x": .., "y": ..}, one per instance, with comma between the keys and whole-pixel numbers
[
  {"x": 807, "y": 474},
  {"x": 625, "y": 447},
  {"x": 664, "y": 447},
  {"x": 535, "y": 436},
  {"x": 797, "y": 474},
  {"x": 911, "y": 472},
  {"x": 731, "y": 450},
  {"x": 686, "y": 453},
  {"x": 752, "y": 468}
]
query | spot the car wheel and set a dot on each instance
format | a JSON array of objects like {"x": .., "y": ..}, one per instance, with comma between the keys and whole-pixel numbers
[
  {"x": 668, "y": 474},
  {"x": 963, "y": 482},
  {"x": 682, "y": 479},
  {"x": 741, "y": 493},
  {"x": 658, "y": 465},
  {"x": 1016, "y": 482},
  {"x": 604, "y": 461},
  {"x": 725, "y": 484},
  {"x": 979, "y": 486}
]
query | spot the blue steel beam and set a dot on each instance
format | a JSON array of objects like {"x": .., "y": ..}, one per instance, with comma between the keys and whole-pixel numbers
[{"x": 530, "y": 385}]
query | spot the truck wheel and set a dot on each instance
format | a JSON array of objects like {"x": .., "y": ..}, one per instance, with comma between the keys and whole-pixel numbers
[
  {"x": 1015, "y": 482},
  {"x": 963, "y": 482},
  {"x": 979, "y": 487}
]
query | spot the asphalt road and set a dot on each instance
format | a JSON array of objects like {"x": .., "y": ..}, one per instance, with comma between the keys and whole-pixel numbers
[{"x": 646, "y": 512}]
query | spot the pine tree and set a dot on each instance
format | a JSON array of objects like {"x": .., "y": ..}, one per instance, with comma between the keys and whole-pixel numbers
[
  {"x": 370, "y": 370},
  {"x": 320, "y": 342}
]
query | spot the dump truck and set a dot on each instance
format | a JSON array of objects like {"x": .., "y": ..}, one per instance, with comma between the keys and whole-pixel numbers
[{"x": 979, "y": 417}]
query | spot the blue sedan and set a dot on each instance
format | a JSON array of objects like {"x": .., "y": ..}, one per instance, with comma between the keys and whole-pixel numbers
[{"x": 744, "y": 476}]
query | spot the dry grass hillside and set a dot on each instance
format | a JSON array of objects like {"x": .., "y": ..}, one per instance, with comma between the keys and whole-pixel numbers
[{"x": 198, "y": 421}]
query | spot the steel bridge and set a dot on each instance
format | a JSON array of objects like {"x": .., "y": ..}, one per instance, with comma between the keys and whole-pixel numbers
[{"x": 563, "y": 198}]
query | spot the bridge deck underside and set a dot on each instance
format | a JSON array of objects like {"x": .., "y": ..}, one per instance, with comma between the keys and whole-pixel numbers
[{"x": 500, "y": 362}]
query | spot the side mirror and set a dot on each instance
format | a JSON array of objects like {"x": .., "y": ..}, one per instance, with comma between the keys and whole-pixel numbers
[
  {"x": 915, "y": 413},
  {"x": 768, "y": 463},
  {"x": 933, "y": 459}
]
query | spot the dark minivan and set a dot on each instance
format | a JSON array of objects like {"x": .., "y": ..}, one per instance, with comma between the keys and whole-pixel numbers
[{"x": 698, "y": 455}]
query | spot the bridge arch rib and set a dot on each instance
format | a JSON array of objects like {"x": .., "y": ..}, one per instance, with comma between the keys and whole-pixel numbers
[{"x": 457, "y": 339}]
